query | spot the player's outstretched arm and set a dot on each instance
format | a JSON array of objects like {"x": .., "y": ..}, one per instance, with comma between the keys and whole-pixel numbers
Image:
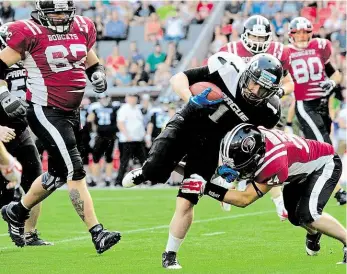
[
  {"x": 8, "y": 57},
  {"x": 247, "y": 197},
  {"x": 287, "y": 85}
]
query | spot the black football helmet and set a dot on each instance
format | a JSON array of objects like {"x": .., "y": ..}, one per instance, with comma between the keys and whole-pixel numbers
[
  {"x": 56, "y": 15},
  {"x": 259, "y": 26},
  {"x": 242, "y": 148},
  {"x": 300, "y": 23},
  {"x": 264, "y": 70}
]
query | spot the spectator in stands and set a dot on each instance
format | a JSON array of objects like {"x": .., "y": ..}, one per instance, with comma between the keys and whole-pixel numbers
[
  {"x": 100, "y": 27},
  {"x": 22, "y": 11},
  {"x": 139, "y": 76},
  {"x": 153, "y": 29},
  {"x": 166, "y": 10},
  {"x": 131, "y": 135},
  {"x": 270, "y": 8},
  {"x": 278, "y": 23},
  {"x": 100, "y": 9},
  {"x": 174, "y": 28},
  {"x": 162, "y": 76},
  {"x": 187, "y": 11},
  {"x": 226, "y": 27},
  {"x": 233, "y": 7},
  {"x": 237, "y": 25},
  {"x": 146, "y": 107},
  {"x": 290, "y": 9},
  {"x": 334, "y": 22},
  {"x": 135, "y": 55},
  {"x": 122, "y": 78},
  {"x": 114, "y": 61},
  {"x": 173, "y": 56},
  {"x": 115, "y": 28},
  {"x": 219, "y": 40},
  {"x": 7, "y": 13},
  {"x": 341, "y": 38},
  {"x": 155, "y": 58},
  {"x": 204, "y": 9},
  {"x": 143, "y": 11},
  {"x": 342, "y": 123}
]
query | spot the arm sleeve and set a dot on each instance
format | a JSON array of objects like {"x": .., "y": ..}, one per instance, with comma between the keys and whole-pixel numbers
[
  {"x": 329, "y": 69},
  {"x": 196, "y": 75}
]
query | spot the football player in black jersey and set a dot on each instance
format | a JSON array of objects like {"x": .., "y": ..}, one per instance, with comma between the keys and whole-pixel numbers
[
  {"x": 22, "y": 146},
  {"x": 105, "y": 119},
  {"x": 249, "y": 95}
]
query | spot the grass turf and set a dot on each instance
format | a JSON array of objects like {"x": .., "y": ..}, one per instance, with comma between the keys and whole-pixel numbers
[{"x": 249, "y": 240}]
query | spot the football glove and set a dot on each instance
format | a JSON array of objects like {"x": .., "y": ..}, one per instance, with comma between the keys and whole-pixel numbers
[
  {"x": 227, "y": 173},
  {"x": 99, "y": 81},
  {"x": 201, "y": 101},
  {"x": 327, "y": 85},
  {"x": 13, "y": 171},
  {"x": 12, "y": 106},
  {"x": 193, "y": 185},
  {"x": 280, "y": 92}
]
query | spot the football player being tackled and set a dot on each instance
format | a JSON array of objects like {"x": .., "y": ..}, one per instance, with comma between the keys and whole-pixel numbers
[
  {"x": 315, "y": 79},
  {"x": 308, "y": 169},
  {"x": 257, "y": 38},
  {"x": 249, "y": 94},
  {"x": 56, "y": 49}
]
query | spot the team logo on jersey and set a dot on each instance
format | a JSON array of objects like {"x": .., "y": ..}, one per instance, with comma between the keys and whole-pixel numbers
[{"x": 248, "y": 144}]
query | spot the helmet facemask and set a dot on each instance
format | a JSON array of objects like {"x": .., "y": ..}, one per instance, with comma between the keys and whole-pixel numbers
[
  {"x": 256, "y": 46},
  {"x": 255, "y": 90},
  {"x": 58, "y": 18}
]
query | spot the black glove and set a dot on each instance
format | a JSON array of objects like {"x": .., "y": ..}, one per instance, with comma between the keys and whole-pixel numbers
[
  {"x": 12, "y": 106},
  {"x": 99, "y": 82}
]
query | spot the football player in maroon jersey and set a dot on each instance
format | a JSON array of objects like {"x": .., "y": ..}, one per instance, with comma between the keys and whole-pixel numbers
[
  {"x": 257, "y": 38},
  {"x": 55, "y": 46},
  {"x": 314, "y": 78},
  {"x": 308, "y": 169}
]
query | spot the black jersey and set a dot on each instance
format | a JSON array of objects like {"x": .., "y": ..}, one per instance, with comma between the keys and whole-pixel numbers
[
  {"x": 234, "y": 109},
  {"x": 16, "y": 77},
  {"x": 106, "y": 119}
]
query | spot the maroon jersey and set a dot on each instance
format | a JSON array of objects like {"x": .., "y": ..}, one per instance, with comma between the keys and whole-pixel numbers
[
  {"x": 55, "y": 63},
  {"x": 276, "y": 49},
  {"x": 289, "y": 157},
  {"x": 307, "y": 68}
]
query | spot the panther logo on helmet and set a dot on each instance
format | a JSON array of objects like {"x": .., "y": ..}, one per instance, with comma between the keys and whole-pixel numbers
[{"x": 248, "y": 144}]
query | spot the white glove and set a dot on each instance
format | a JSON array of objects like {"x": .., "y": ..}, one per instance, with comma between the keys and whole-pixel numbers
[
  {"x": 327, "y": 85},
  {"x": 12, "y": 172},
  {"x": 99, "y": 82}
]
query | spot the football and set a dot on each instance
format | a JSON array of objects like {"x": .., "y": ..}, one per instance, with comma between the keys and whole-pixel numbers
[{"x": 215, "y": 94}]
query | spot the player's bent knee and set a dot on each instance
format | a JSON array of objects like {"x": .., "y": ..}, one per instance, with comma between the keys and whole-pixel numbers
[
  {"x": 193, "y": 198},
  {"x": 51, "y": 183}
]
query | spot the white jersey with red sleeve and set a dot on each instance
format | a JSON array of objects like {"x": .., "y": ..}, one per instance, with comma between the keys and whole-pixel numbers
[
  {"x": 307, "y": 66},
  {"x": 55, "y": 63},
  {"x": 276, "y": 49},
  {"x": 290, "y": 158}
]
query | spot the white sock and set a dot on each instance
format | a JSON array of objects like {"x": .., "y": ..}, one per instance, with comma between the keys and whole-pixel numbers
[
  {"x": 278, "y": 201},
  {"x": 173, "y": 243}
]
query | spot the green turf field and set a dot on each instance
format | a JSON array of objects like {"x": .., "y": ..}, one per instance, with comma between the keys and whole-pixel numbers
[{"x": 249, "y": 240}]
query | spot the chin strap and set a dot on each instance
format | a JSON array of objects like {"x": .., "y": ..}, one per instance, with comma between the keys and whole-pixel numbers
[{"x": 259, "y": 193}]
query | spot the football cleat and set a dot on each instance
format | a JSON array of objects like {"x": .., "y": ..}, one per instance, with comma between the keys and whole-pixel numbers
[
  {"x": 225, "y": 206},
  {"x": 105, "y": 239},
  {"x": 32, "y": 239},
  {"x": 133, "y": 178},
  {"x": 15, "y": 225},
  {"x": 313, "y": 244},
  {"x": 92, "y": 183},
  {"x": 340, "y": 196},
  {"x": 169, "y": 260}
]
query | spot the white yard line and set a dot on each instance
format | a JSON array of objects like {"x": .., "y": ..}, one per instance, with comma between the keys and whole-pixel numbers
[
  {"x": 214, "y": 233},
  {"x": 159, "y": 227}
]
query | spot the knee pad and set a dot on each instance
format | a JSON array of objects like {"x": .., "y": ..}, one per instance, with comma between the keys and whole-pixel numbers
[{"x": 51, "y": 183}]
